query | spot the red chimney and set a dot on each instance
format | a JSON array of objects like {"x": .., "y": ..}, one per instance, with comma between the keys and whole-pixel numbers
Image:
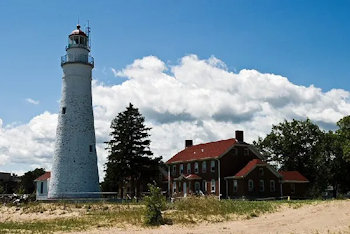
[{"x": 239, "y": 136}]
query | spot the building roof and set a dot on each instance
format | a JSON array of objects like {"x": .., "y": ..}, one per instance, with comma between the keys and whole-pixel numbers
[
  {"x": 189, "y": 177},
  {"x": 250, "y": 166},
  {"x": 44, "y": 177},
  {"x": 293, "y": 176},
  {"x": 78, "y": 31},
  {"x": 203, "y": 151}
]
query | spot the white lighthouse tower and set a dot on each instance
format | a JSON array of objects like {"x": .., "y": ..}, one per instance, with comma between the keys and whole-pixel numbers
[{"x": 74, "y": 170}]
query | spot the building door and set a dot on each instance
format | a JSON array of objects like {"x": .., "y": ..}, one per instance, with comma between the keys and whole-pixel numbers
[{"x": 184, "y": 189}]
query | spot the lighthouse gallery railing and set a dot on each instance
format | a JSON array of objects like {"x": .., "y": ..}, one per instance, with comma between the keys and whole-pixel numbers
[{"x": 77, "y": 58}]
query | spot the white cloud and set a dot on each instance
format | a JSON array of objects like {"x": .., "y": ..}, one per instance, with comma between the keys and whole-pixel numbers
[
  {"x": 31, "y": 101},
  {"x": 195, "y": 99}
]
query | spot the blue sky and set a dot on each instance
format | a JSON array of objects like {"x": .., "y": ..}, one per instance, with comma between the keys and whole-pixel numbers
[
  {"x": 197, "y": 69},
  {"x": 306, "y": 41}
]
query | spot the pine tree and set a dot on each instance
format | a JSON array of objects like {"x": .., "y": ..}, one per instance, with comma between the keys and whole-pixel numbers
[{"x": 129, "y": 153}]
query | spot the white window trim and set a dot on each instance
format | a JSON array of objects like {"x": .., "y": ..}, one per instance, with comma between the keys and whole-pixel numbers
[
  {"x": 174, "y": 187},
  {"x": 212, "y": 185},
  {"x": 211, "y": 166},
  {"x": 205, "y": 186},
  {"x": 235, "y": 188},
  {"x": 250, "y": 185},
  {"x": 197, "y": 185},
  {"x": 204, "y": 168},
  {"x": 196, "y": 168},
  {"x": 262, "y": 185},
  {"x": 188, "y": 168},
  {"x": 272, "y": 188}
]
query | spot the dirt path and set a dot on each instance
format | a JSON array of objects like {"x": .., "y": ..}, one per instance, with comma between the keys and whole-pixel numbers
[{"x": 330, "y": 217}]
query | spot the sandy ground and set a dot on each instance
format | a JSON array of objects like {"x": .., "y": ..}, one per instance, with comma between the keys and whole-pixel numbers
[
  {"x": 326, "y": 217},
  {"x": 330, "y": 217}
]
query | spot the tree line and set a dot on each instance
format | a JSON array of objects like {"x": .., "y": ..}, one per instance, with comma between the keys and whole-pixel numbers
[{"x": 323, "y": 157}]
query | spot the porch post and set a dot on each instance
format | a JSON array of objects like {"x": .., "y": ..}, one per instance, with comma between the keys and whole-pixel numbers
[{"x": 169, "y": 192}]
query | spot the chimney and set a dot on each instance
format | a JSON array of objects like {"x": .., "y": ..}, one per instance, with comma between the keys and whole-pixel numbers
[
  {"x": 188, "y": 143},
  {"x": 239, "y": 136}
]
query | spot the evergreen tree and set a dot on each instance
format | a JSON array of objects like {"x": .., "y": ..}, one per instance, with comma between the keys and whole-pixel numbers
[{"x": 129, "y": 155}]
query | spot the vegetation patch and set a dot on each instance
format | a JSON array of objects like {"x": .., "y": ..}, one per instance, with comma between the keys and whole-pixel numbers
[{"x": 189, "y": 210}]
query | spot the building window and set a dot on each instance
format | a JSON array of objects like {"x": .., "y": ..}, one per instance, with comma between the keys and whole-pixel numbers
[
  {"x": 64, "y": 110},
  {"x": 213, "y": 186},
  {"x": 41, "y": 187},
  {"x": 160, "y": 177},
  {"x": 90, "y": 148},
  {"x": 204, "y": 167},
  {"x": 205, "y": 185},
  {"x": 188, "y": 168},
  {"x": 181, "y": 168},
  {"x": 234, "y": 151},
  {"x": 196, "y": 167},
  {"x": 292, "y": 188},
  {"x": 262, "y": 186},
  {"x": 261, "y": 171},
  {"x": 246, "y": 151},
  {"x": 272, "y": 186},
  {"x": 174, "y": 169},
  {"x": 235, "y": 186},
  {"x": 197, "y": 186},
  {"x": 250, "y": 185},
  {"x": 212, "y": 166},
  {"x": 174, "y": 187}
]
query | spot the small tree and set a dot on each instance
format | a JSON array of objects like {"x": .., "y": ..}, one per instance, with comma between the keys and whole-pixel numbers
[{"x": 155, "y": 203}]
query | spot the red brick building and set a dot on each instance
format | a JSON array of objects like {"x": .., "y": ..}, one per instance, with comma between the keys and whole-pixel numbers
[{"x": 232, "y": 168}]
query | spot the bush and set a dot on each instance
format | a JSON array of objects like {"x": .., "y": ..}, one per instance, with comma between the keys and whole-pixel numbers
[{"x": 155, "y": 203}]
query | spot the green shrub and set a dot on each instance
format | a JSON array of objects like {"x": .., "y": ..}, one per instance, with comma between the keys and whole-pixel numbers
[{"x": 155, "y": 203}]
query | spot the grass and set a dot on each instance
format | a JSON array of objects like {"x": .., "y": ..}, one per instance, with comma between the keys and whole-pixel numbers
[{"x": 95, "y": 215}]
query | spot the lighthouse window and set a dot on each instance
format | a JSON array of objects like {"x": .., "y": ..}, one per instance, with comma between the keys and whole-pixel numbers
[
  {"x": 64, "y": 110},
  {"x": 90, "y": 148}
]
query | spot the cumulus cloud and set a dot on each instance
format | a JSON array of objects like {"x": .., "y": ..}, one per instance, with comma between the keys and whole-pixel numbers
[
  {"x": 31, "y": 101},
  {"x": 199, "y": 99}
]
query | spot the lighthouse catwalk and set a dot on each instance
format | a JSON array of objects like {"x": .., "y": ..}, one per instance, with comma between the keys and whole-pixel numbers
[{"x": 74, "y": 170}]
